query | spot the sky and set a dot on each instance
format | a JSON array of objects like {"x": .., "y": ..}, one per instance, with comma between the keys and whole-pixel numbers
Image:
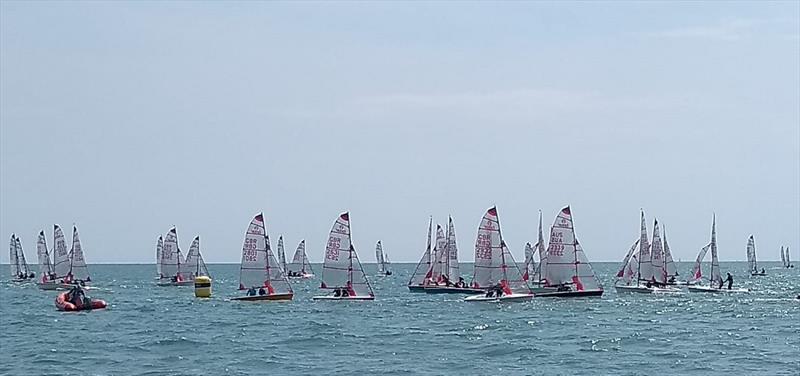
[{"x": 127, "y": 118}]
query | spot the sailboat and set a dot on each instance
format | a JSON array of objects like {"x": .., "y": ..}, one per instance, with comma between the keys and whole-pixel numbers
[
  {"x": 20, "y": 271},
  {"x": 449, "y": 278},
  {"x": 159, "y": 248},
  {"x": 300, "y": 267},
  {"x": 785, "y": 259},
  {"x": 382, "y": 260},
  {"x": 78, "y": 270},
  {"x": 533, "y": 273},
  {"x": 47, "y": 275},
  {"x": 496, "y": 272},
  {"x": 672, "y": 270},
  {"x": 423, "y": 269},
  {"x": 656, "y": 268},
  {"x": 195, "y": 265},
  {"x": 342, "y": 271},
  {"x": 259, "y": 268},
  {"x": 715, "y": 277},
  {"x": 567, "y": 272},
  {"x": 171, "y": 262},
  {"x": 281, "y": 254},
  {"x": 752, "y": 262}
]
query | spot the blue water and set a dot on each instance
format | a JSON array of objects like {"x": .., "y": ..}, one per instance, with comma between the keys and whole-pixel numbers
[{"x": 151, "y": 330}]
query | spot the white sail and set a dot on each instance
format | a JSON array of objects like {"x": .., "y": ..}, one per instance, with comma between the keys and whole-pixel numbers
[
  {"x": 181, "y": 262},
  {"x": 751, "y": 255},
  {"x": 159, "y": 247},
  {"x": 341, "y": 268},
  {"x": 488, "y": 252},
  {"x": 440, "y": 256},
  {"x": 13, "y": 258},
  {"x": 716, "y": 275},
  {"x": 79, "y": 269},
  {"x": 657, "y": 256},
  {"x": 566, "y": 261},
  {"x": 169, "y": 255},
  {"x": 783, "y": 258},
  {"x": 530, "y": 264},
  {"x": 453, "y": 269},
  {"x": 194, "y": 266},
  {"x": 788, "y": 260},
  {"x": 281, "y": 254},
  {"x": 259, "y": 267},
  {"x": 45, "y": 265},
  {"x": 512, "y": 280},
  {"x": 23, "y": 264},
  {"x": 697, "y": 268},
  {"x": 624, "y": 271},
  {"x": 60, "y": 253},
  {"x": 300, "y": 264},
  {"x": 540, "y": 248},
  {"x": 631, "y": 271},
  {"x": 672, "y": 270},
  {"x": 422, "y": 271},
  {"x": 645, "y": 260},
  {"x": 379, "y": 257}
]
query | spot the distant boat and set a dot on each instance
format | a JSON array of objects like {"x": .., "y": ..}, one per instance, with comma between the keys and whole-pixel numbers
[
  {"x": 259, "y": 273},
  {"x": 47, "y": 275},
  {"x": 785, "y": 259},
  {"x": 715, "y": 276},
  {"x": 159, "y": 248},
  {"x": 20, "y": 271},
  {"x": 752, "y": 262},
  {"x": 172, "y": 261},
  {"x": 195, "y": 265},
  {"x": 495, "y": 271},
  {"x": 342, "y": 271},
  {"x": 423, "y": 269},
  {"x": 78, "y": 270},
  {"x": 382, "y": 260},
  {"x": 651, "y": 261},
  {"x": 300, "y": 267},
  {"x": 281, "y": 254},
  {"x": 567, "y": 272},
  {"x": 672, "y": 270},
  {"x": 533, "y": 272},
  {"x": 449, "y": 279}
]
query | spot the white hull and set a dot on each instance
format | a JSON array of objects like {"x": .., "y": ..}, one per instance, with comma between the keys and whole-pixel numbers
[
  {"x": 504, "y": 298},
  {"x": 646, "y": 290},
  {"x": 331, "y": 297},
  {"x": 304, "y": 276},
  {"x": 717, "y": 291}
]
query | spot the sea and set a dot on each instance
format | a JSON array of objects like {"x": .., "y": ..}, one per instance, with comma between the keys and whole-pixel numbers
[{"x": 150, "y": 330}]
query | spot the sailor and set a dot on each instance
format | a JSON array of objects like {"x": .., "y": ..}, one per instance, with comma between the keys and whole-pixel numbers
[
  {"x": 729, "y": 280},
  {"x": 461, "y": 283},
  {"x": 337, "y": 292},
  {"x": 671, "y": 279},
  {"x": 261, "y": 291},
  {"x": 251, "y": 291},
  {"x": 763, "y": 271}
]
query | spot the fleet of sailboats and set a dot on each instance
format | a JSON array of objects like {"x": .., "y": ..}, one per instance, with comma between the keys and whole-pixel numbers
[
  {"x": 715, "y": 283},
  {"x": 648, "y": 270},
  {"x": 342, "y": 272},
  {"x": 786, "y": 261},
  {"x": 19, "y": 266},
  {"x": 68, "y": 267}
]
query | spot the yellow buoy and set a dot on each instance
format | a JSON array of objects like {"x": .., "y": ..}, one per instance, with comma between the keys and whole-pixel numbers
[{"x": 202, "y": 287}]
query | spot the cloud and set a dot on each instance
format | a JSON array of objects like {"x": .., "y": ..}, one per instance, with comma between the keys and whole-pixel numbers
[{"x": 726, "y": 30}]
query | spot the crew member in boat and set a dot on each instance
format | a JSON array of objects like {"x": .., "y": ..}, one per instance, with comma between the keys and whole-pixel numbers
[
  {"x": 77, "y": 297},
  {"x": 763, "y": 271},
  {"x": 671, "y": 279},
  {"x": 444, "y": 280},
  {"x": 729, "y": 280},
  {"x": 461, "y": 283},
  {"x": 262, "y": 292},
  {"x": 251, "y": 291}
]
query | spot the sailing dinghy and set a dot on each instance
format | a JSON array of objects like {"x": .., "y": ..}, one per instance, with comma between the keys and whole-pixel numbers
[
  {"x": 47, "y": 274},
  {"x": 342, "y": 271},
  {"x": 195, "y": 265},
  {"x": 20, "y": 272},
  {"x": 785, "y": 260},
  {"x": 751, "y": 258},
  {"x": 159, "y": 248},
  {"x": 656, "y": 279},
  {"x": 79, "y": 272},
  {"x": 567, "y": 272},
  {"x": 300, "y": 266},
  {"x": 382, "y": 260},
  {"x": 715, "y": 280},
  {"x": 259, "y": 268},
  {"x": 535, "y": 276},
  {"x": 496, "y": 272},
  {"x": 172, "y": 262},
  {"x": 423, "y": 269},
  {"x": 449, "y": 279},
  {"x": 281, "y": 254}
]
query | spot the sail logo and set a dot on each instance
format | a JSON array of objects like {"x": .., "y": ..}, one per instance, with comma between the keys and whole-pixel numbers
[
  {"x": 483, "y": 247},
  {"x": 332, "y": 249},
  {"x": 250, "y": 250}
]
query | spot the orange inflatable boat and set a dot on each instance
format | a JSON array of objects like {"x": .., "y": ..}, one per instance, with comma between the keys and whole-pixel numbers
[{"x": 63, "y": 304}]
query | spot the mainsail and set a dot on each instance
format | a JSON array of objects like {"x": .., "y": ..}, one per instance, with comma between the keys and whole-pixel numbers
[
  {"x": 259, "y": 267},
  {"x": 672, "y": 270},
  {"x": 788, "y": 260},
  {"x": 169, "y": 255},
  {"x": 716, "y": 275},
  {"x": 300, "y": 264},
  {"x": 341, "y": 268},
  {"x": 440, "y": 256},
  {"x": 195, "y": 266},
  {"x": 79, "y": 269},
  {"x": 488, "y": 252},
  {"x": 697, "y": 269},
  {"x": 657, "y": 256},
  {"x": 783, "y": 258},
  {"x": 281, "y": 254},
  {"x": 60, "y": 253},
  {"x": 751, "y": 255},
  {"x": 453, "y": 271},
  {"x": 625, "y": 272},
  {"x": 21, "y": 258},
  {"x": 16, "y": 271},
  {"x": 530, "y": 264},
  {"x": 645, "y": 260},
  {"x": 540, "y": 248},
  {"x": 159, "y": 248},
  {"x": 380, "y": 257},
  {"x": 421, "y": 272},
  {"x": 566, "y": 261},
  {"x": 45, "y": 266}
]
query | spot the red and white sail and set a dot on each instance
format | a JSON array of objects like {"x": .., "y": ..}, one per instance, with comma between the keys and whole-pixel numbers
[
  {"x": 625, "y": 272},
  {"x": 566, "y": 261},
  {"x": 512, "y": 279},
  {"x": 716, "y": 276},
  {"x": 342, "y": 268},
  {"x": 259, "y": 267},
  {"x": 79, "y": 269},
  {"x": 61, "y": 260},
  {"x": 488, "y": 252},
  {"x": 453, "y": 270},
  {"x": 645, "y": 260},
  {"x": 423, "y": 269},
  {"x": 697, "y": 268},
  {"x": 657, "y": 256},
  {"x": 195, "y": 266},
  {"x": 45, "y": 265},
  {"x": 300, "y": 263}
]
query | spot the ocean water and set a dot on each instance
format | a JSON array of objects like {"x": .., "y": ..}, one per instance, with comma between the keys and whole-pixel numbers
[{"x": 152, "y": 330}]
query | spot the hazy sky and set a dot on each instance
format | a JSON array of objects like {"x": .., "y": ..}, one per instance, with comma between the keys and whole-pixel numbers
[{"x": 127, "y": 118}]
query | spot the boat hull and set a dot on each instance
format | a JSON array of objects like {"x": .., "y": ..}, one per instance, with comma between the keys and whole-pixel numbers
[
  {"x": 343, "y": 298},
  {"x": 712, "y": 290},
  {"x": 304, "y": 276},
  {"x": 553, "y": 293},
  {"x": 504, "y": 298},
  {"x": 418, "y": 288},
  {"x": 63, "y": 305},
  {"x": 758, "y": 274},
  {"x": 264, "y": 298},
  {"x": 646, "y": 290},
  {"x": 54, "y": 286},
  {"x": 452, "y": 290},
  {"x": 170, "y": 283}
]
